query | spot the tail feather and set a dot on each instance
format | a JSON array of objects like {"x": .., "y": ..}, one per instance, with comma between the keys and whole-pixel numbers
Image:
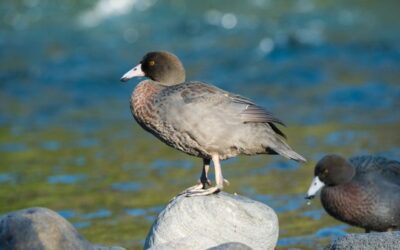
[
  {"x": 285, "y": 150},
  {"x": 290, "y": 154}
]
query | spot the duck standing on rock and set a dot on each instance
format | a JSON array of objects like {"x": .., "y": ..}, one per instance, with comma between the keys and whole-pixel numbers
[
  {"x": 363, "y": 191},
  {"x": 201, "y": 119}
]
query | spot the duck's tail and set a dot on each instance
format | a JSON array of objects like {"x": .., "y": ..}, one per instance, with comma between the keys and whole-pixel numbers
[
  {"x": 285, "y": 150},
  {"x": 290, "y": 154}
]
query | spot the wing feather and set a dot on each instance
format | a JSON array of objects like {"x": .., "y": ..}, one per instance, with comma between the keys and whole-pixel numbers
[{"x": 249, "y": 112}]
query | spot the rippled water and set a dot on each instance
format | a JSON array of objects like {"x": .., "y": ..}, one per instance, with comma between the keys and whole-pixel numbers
[{"x": 329, "y": 69}]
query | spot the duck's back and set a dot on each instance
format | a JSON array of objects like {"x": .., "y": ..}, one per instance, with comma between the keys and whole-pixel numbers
[{"x": 379, "y": 169}]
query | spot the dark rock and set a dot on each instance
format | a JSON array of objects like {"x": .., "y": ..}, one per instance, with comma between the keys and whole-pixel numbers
[
  {"x": 376, "y": 241},
  {"x": 41, "y": 229}
]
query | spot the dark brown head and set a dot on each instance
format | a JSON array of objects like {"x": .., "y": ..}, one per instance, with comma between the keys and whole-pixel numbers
[
  {"x": 332, "y": 170},
  {"x": 162, "y": 67}
]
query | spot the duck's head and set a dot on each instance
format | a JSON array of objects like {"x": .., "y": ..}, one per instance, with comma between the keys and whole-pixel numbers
[
  {"x": 160, "y": 66},
  {"x": 331, "y": 170}
]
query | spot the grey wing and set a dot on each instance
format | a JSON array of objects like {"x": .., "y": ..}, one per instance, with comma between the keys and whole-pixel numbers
[
  {"x": 209, "y": 115},
  {"x": 253, "y": 113},
  {"x": 378, "y": 166},
  {"x": 249, "y": 111}
]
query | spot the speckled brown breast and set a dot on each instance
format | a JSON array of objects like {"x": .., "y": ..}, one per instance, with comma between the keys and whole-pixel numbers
[
  {"x": 145, "y": 108},
  {"x": 350, "y": 203},
  {"x": 142, "y": 104}
]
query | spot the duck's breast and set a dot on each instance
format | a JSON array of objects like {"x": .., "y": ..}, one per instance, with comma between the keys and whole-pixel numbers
[
  {"x": 366, "y": 204},
  {"x": 143, "y": 105},
  {"x": 157, "y": 109},
  {"x": 348, "y": 202}
]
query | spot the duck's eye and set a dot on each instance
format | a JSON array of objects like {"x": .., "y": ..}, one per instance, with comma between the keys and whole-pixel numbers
[
  {"x": 152, "y": 63},
  {"x": 323, "y": 174}
]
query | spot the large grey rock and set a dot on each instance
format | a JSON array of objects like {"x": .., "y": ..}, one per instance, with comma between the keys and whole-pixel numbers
[
  {"x": 208, "y": 221},
  {"x": 376, "y": 241},
  {"x": 41, "y": 229}
]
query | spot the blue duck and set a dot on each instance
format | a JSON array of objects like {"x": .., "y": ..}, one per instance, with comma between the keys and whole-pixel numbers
[
  {"x": 201, "y": 119},
  {"x": 363, "y": 191}
]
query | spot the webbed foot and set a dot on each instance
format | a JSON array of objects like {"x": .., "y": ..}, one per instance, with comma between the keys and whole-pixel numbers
[{"x": 202, "y": 192}]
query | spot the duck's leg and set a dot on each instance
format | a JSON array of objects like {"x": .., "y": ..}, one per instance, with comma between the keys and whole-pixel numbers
[
  {"x": 204, "y": 174},
  {"x": 219, "y": 180},
  {"x": 204, "y": 181}
]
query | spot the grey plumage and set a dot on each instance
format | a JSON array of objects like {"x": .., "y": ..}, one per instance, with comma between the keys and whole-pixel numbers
[
  {"x": 377, "y": 167},
  {"x": 201, "y": 119}
]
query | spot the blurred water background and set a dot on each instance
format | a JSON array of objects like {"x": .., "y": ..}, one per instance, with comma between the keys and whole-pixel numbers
[{"x": 330, "y": 69}]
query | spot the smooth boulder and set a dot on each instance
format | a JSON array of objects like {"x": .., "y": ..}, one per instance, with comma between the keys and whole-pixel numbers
[
  {"x": 41, "y": 229},
  {"x": 203, "y": 222}
]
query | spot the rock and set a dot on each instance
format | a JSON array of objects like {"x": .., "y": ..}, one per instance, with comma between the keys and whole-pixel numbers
[
  {"x": 205, "y": 222},
  {"x": 98, "y": 247},
  {"x": 376, "y": 241},
  {"x": 41, "y": 229},
  {"x": 186, "y": 243},
  {"x": 231, "y": 246}
]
